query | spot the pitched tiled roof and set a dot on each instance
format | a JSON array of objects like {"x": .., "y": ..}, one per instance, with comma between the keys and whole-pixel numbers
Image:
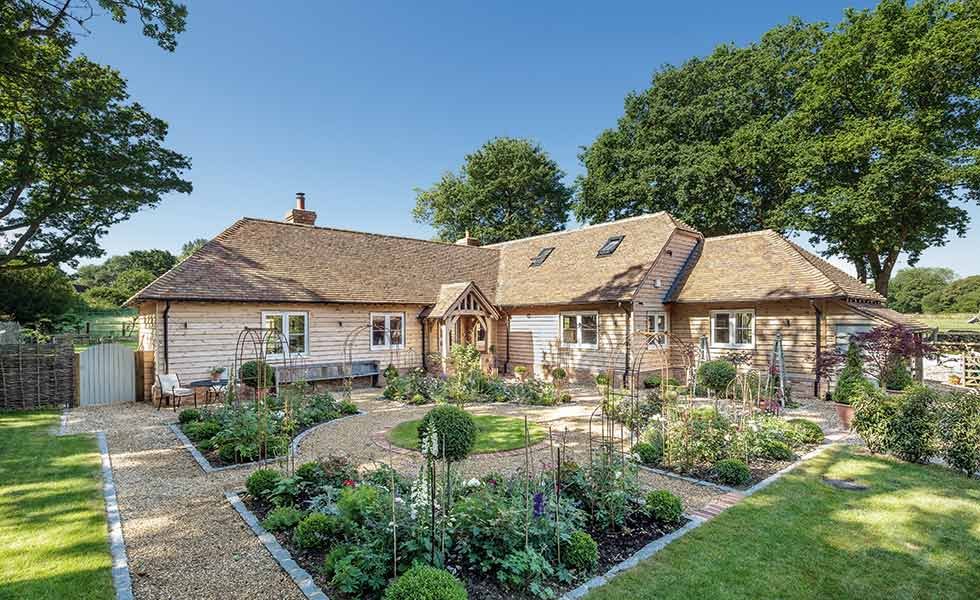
[
  {"x": 763, "y": 265},
  {"x": 886, "y": 314},
  {"x": 573, "y": 272},
  {"x": 271, "y": 261}
]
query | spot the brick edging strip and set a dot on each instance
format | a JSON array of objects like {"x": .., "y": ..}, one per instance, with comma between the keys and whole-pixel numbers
[
  {"x": 121, "y": 579},
  {"x": 642, "y": 554},
  {"x": 298, "y": 574},
  {"x": 207, "y": 467}
]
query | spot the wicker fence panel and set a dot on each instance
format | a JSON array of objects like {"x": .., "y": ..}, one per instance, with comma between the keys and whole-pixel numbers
[{"x": 37, "y": 375}]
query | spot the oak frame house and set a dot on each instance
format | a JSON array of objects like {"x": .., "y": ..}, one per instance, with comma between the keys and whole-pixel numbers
[{"x": 584, "y": 299}]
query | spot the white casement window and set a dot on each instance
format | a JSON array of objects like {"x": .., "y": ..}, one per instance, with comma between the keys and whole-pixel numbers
[
  {"x": 846, "y": 332},
  {"x": 292, "y": 328},
  {"x": 657, "y": 322},
  {"x": 580, "y": 330},
  {"x": 387, "y": 331},
  {"x": 733, "y": 328}
]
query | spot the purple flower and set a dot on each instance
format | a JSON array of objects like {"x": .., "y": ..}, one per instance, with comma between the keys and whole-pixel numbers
[{"x": 539, "y": 504}]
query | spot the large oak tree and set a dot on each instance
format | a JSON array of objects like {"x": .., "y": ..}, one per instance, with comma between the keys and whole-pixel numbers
[{"x": 76, "y": 156}]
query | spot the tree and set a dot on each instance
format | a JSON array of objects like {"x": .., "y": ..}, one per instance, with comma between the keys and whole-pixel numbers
[
  {"x": 155, "y": 262},
  {"x": 889, "y": 124},
  {"x": 710, "y": 141},
  {"x": 961, "y": 296},
  {"x": 508, "y": 189},
  {"x": 191, "y": 247},
  {"x": 75, "y": 156},
  {"x": 29, "y": 295},
  {"x": 910, "y": 285},
  {"x": 113, "y": 282}
]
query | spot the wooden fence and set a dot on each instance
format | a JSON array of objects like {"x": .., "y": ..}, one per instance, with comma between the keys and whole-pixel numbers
[{"x": 37, "y": 375}]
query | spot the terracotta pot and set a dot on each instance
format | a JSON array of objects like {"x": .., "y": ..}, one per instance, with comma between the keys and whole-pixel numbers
[
  {"x": 845, "y": 412},
  {"x": 954, "y": 379}
]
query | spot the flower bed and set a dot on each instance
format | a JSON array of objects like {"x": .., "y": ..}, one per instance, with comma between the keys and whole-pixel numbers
[
  {"x": 245, "y": 432},
  {"x": 501, "y": 536}
]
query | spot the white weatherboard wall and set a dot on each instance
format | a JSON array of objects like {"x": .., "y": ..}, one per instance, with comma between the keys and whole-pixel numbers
[{"x": 106, "y": 375}]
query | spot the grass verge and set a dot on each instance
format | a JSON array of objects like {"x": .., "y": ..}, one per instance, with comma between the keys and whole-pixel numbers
[
  {"x": 53, "y": 535},
  {"x": 914, "y": 533},
  {"x": 495, "y": 433}
]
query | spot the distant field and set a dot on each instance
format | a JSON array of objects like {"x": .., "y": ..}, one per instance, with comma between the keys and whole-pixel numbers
[{"x": 948, "y": 321}]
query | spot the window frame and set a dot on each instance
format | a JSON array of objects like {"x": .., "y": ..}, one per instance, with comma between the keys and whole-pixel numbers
[
  {"x": 387, "y": 317},
  {"x": 578, "y": 329},
  {"x": 542, "y": 256},
  {"x": 615, "y": 240},
  {"x": 284, "y": 315},
  {"x": 732, "y": 327},
  {"x": 653, "y": 314},
  {"x": 854, "y": 329}
]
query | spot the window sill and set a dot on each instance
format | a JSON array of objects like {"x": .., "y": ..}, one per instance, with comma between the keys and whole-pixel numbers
[
  {"x": 383, "y": 348},
  {"x": 733, "y": 346},
  {"x": 581, "y": 346}
]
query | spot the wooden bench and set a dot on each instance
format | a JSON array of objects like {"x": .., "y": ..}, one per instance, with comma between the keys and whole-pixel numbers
[{"x": 329, "y": 371}]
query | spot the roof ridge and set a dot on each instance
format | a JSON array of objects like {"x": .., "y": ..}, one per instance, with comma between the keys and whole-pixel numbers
[
  {"x": 383, "y": 235},
  {"x": 582, "y": 228},
  {"x": 730, "y": 236}
]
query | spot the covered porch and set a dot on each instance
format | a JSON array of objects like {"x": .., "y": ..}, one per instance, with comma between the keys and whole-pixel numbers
[{"x": 461, "y": 315}]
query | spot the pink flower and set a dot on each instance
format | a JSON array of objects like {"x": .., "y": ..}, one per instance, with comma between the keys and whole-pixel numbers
[{"x": 349, "y": 483}]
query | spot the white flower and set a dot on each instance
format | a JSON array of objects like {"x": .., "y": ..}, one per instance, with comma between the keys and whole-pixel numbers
[
  {"x": 472, "y": 483},
  {"x": 619, "y": 474}
]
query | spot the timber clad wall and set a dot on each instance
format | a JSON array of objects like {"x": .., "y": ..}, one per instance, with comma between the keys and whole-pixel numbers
[
  {"x": 795, "y": 319},
  {"x": 534, "y": 341},
  {"x": 205, "y": 334}
]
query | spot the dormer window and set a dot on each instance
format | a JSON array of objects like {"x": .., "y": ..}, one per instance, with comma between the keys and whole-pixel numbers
[
  {"x": 610, "y": 246},
  {"x": 542, "y": 256}
]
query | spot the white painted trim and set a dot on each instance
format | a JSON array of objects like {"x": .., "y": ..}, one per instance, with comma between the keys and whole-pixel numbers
[
  {"x": 285, "y": 314},
  {"x": 387, "y": 317},
  {"x": 732, "y": 321},
  {"x": 578, "y": 329},
  {"x": 646, "y": 325}
]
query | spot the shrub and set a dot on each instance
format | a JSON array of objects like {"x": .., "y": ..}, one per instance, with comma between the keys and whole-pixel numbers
[
  {"x": 648, "y": 453},
  {"x": 282, "y": 518},
  {"x": 664, "y": 506},
  {"x": 732, "y": 471},
  {"x": 655, "y": 381},
  {"x": 958, "y": 431},
  {"x": 316, "y": 531},
  {"x": 774, "y": 449},
  {"x": 716, "y": 374},
  {"x": 256, "y": 372},
  {"x": 808, "y": 431},
  {"x": 347, "y": 407},
  {"x": 311, "y": 473},
  {"x": 898, "y": 378},
  {"x": 189, "y": 416},
  {"x": 455, "y": 428},
  {"x": 261, "y": 482},
  {"x": 700, "y": 439},
  {"x": 418, "y": 399},
  {"x": 580, "y": 551},
  {"x": 873, "y": 413},
  {"x": 910, "y": 435},
  {"x": 337, "y": 469},
  {"x": 423, "y": 582},
  {"x": 850, "y": 376},
  {"x": 200, "y": 431},
  {"x": 356, "y": 502}
]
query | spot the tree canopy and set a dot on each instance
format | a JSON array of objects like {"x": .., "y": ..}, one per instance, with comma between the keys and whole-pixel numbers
[
  {"x": 114, "y": 281},
  {"x": 76, "y": 156},
  {"x": 29, "y": 295},
  {"x": 864, "y": 136},
  {"x": 191, "y": 247},
  {"x": 960, "y": 296},
  {"x": 910, "y": 285},
  {"x": 508, "y": 189}
]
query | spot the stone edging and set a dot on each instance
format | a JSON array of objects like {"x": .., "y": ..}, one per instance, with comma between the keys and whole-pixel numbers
[
  {"x": 121, "y": 579},
  {"x": 380, "y": 439},
  {"x": 693, "y": 480},
  {"x": 778, "y": 474},
  {"x": 207, "y": 467},
  {"x": 300, "y": 577},
  {"x": 63, "y": 428},
  {"x": 642, "y": 554}
]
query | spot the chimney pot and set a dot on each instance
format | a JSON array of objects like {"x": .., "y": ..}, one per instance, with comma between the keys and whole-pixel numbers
[
  {"x": 301, "y": 200},
  {"x": 300, "y": 215}
]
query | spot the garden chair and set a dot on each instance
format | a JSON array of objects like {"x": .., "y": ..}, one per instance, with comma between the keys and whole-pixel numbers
[{"x": 170, "y": 389}]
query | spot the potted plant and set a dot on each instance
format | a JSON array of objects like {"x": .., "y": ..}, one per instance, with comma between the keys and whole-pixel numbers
[
  {"x": 216, "y": 373},
  {"x": 850, "y": 378},
  {"x": 954, "y": 380},
  {"x": 845, "y": 412}
]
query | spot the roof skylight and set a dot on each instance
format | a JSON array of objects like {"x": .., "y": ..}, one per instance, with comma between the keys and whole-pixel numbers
[
  {"x": 542, "y": 256},
  {"x": 610, "y": 246}
]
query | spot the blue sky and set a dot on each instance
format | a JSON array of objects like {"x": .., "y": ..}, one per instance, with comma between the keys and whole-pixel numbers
[{"x": 357, "y": 104}]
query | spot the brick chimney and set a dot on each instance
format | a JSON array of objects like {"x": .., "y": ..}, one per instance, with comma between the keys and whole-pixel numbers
[
  {"x": 300, "y": 215},
  {"x": 467, "y": 240}
]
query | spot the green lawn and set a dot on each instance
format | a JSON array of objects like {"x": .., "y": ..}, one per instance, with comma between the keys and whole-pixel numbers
[
  {"x": 53, "y": 534},
  {"x": 915, "y": 533},
  {"x": 946, "y": 322},
  {"x": 494, "y": 433}
]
